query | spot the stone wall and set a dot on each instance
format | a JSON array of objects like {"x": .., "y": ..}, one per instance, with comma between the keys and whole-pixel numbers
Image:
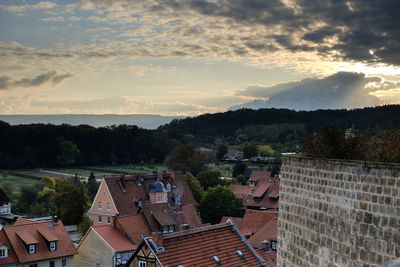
[{"x": 338, "y": 213}]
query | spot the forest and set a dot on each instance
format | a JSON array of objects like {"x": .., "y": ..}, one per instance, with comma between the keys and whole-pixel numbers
[{"x": 46, "y": 145}]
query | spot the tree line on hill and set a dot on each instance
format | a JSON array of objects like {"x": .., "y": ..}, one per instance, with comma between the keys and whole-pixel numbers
[{"x": 270, "y": 131}]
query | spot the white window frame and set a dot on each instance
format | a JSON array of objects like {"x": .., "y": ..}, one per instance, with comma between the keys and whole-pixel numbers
[
  {"x": 32, "y": 249},
  {"x": 108, "y": 206},
  {"x": 52, "y": 245},
  {"x": 159, "y": 199},
  {"x": 100, "y": 205},
  {"x": 3, "y": 253},
  {"x": 142, "y": 264},
  {"x": 171, "y": 229},
  {"x": 100, "y": 219}
]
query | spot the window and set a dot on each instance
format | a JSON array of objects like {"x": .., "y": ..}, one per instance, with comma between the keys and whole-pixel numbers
[
  {"x": 159, "y": 199},
  {"x": 32, "y": 249},
  {"x": 142, "y": 264},
  {"x": 100, "y": 205},
  {"x": 165, "y": 229},
  {"x": 33, "y": 265},
  {"x": 273, "y": 245},
  {"x": 64, "y": 263},
  {"x": 171, "y": 228},
  {"x": 52, "y": 264},
  {"x": 3, "y": 253},
  {"x": 108, "y": 219},
  {"x": 52, "y": 245},
  {"x": 97, "y": 264},
  {"x": 108, "y": 206},
  {"x": 100, "y": 219}
]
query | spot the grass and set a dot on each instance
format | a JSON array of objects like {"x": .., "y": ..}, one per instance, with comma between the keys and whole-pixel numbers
[{"x": 15, "y": 181}]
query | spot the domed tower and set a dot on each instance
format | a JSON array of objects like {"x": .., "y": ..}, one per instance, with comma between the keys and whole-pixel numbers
[{"x": 157, "y": 193}]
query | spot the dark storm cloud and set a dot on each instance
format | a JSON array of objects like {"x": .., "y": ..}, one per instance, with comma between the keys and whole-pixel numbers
[
  {"x": 347, "y": 29},
  {"x": 341, "y": 90},
  {"x": 7, "y": 82}
]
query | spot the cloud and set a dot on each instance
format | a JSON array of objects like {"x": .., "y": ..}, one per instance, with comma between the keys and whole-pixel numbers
[
  {"x": 7, "y": 82},
  {"x": 341, "y": 90},
  {"x": 22, "y": 8}
]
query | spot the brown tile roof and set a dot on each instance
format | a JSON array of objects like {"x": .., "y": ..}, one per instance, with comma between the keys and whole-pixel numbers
[
  {"x": 12, "y": 258},
  {"x": 65, "y": 247},
  {"x": 187, "y": 215},
  {"x": 261, "y": 188},
  {"x": 254, "y": 220},
  {"x": 268, "y": 231},
  {"x": 269, "y": 258},
  {"x": 133, "y": 226},
  {"x": 3, "y": 198},
  {"x": 259, "y": 175},
  {"x": 161, "y": 210},
  {"x": 21, "y": 220},
  {"x": 197, "y": 247},
  {"x": 241, "y": 189},
  {"x": 135, "y": 187},
  {"x": 114, "y": 238}
]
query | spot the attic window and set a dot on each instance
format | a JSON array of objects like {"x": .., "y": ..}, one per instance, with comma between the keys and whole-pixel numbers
[
  {"x": 53, "y": 246},
  {"x": 239, "y": 253},
  {"x": 3, "y": 253},
  {"x": 32, "y": 249},
  {"x": 216, "y": 260}
]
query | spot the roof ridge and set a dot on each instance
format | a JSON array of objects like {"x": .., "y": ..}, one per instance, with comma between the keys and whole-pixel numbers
[{"x": 196, "y": 230}]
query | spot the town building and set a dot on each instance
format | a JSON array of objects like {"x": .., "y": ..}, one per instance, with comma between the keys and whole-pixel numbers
[
  {"x": 214, "y": 245},
  {"x": 6, "y": 217},
  {"x": 36, "y": 244},
  {"x": 104, "y": 246}
]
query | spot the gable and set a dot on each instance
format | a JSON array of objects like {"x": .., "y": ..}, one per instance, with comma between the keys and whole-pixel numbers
[{"x": 104, "y": 196}]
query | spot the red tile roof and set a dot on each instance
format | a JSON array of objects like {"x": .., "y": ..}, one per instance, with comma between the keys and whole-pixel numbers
[
  {"x": 158, "y": 214},
  {"x": 21, "y": 220},
  {"x": 261, "y": 188},
  {"x": 197, "y": 247},
  {"x": 114, "y": 238},
  {"x": 254, "y": 220},
  {"x": 133, "y": 226},
  {"x": 268, "y": 231},
  {"x": 259, "y": 175},
  {"x": 31, "y": 232},
  {"x": 187, "y": 215},
  {"x": 12, "y": 258}
]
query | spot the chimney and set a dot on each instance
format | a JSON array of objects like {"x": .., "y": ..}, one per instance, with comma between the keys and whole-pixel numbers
[
  {"x": 55, "y": 220},
  {"x": 157, "y": 238},
  {"x": 276, "y": 178}
]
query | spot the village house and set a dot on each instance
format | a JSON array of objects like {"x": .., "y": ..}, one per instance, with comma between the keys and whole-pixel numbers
[
  {"x": 6, "y": 217},
  {"x": 214, "y": 245},
  {"x": 260, "y": 228},
  {"x": 264, "y": 195},
  {"x": 36, "y": 244},
  {"x": 104, "y": 246},
  {"x": 128, "y": 208}
]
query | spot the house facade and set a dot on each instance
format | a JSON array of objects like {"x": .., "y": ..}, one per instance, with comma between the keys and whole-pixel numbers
[
  {"x": 36, "y": 244},
  {"x": 104, "y": 246}
]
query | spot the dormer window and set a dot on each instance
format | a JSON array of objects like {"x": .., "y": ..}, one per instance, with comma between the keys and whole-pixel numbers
[
  {"x": 32, "y": 249},
  {"x": 159, "y": 199},
  {"x": 3, "y": 252},
  {"x": 53, "y": 246}
]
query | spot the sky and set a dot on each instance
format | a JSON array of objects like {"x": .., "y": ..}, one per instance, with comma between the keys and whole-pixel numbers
[{"x": 189, "y": 57}]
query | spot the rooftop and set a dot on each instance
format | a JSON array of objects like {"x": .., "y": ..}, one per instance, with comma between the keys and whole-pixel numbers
[{"x": 114, "y": 238}]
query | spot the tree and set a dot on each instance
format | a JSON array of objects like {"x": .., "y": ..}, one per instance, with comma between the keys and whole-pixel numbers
[
  {"x": 266, "y": 151},
  {"x": 71, "y": 201},
  {"x": 28, "y": 198},
  {"x": 249, "y": 150},
  {"x": 209, "y": 179},
  {"x": 222, "y": 149},
  {"x": 238, "y": 169},
  {"x": 92, "y": 186},
  {"x": 240, "y": 179},
  {"x": 69, "y": 153},
  {"x": 186, "y": 158},
  {"x": 194, "y": 186},
  {"x": 217, "y": 202},
  {"x": 49, "y": 182},
  {"x": 84, "y": 225}
]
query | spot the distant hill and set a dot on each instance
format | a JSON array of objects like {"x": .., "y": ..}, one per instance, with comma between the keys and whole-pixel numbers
[
  {"x": 140, "y": 120},
  {"x": 207, "y": 127}
]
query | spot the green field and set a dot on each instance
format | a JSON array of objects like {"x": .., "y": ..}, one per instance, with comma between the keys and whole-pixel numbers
[{"x": 15, "y": 182}]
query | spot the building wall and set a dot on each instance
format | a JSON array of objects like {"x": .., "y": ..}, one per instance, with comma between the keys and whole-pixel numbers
[
  {"x": 92, "y": 250},
  {"x": 103, "y": 196},
  {"x": 154, "y": 197},
  {"x": 146, "y": 255},
  {"x": 57, "y": 262},
  {"x": 338, "y": 213}
]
